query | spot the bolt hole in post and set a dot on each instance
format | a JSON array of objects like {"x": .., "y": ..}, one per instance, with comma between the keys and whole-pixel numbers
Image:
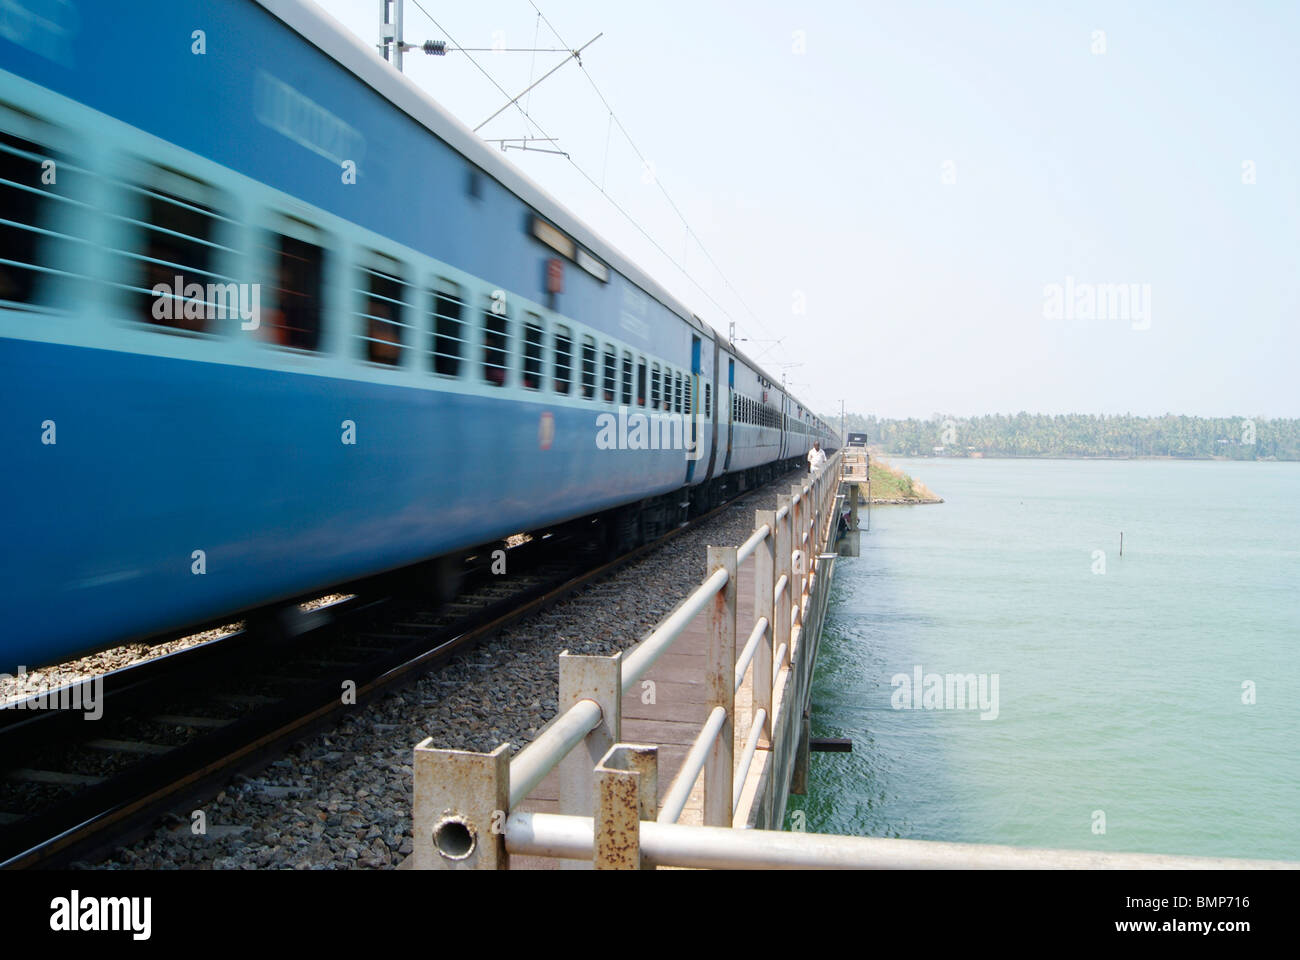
[{"x": 453, "y": 839}]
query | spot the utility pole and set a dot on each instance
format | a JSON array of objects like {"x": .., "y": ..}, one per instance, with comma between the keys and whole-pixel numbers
[{"x": 390, "y": 31}]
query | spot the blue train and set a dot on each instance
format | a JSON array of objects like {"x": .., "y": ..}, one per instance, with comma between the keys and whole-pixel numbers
[{"x": 235, "y": 372}]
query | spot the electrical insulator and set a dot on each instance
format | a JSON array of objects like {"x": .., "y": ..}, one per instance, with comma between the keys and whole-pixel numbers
[{"x": 435, "y": 48}]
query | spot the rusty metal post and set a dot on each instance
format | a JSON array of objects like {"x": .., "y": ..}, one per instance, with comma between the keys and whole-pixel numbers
[
  {"x": 765, "y": 607},
  {"x": 799, "y": 511},
  {"x": 720, "y": 674},
  {"x": 815, "y": 548},
  {"x": 598, "y": 679},
  {"x": 461, "y": 803},
  {"x": 784, "y": 604},
  {"x": 626, "y": 793}
]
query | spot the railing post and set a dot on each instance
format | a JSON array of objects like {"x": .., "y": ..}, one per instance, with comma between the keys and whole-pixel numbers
[
  {"x": 765, "y": 607},
  {"x": 462, "y": 800},
  {"x": 815, "y": 487},
  {"x": 781, "y": 628},
  {"x": 598, "y": 679},
  {"x": 799, "y": 511},
  {"x": 721, "y": 682},
  {"x": 626, "y": 782}
]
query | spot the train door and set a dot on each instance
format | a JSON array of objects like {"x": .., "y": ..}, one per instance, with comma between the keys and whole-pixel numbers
[
  {"x": 731, "y": 407},
  {"x": 692, "y": 403},
  {"x": 711, "y": 411},
  {"x": 781, "y": 424}
]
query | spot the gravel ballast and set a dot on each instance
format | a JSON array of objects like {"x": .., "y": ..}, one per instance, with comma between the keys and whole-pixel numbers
[{"x": 342, "y": 799}]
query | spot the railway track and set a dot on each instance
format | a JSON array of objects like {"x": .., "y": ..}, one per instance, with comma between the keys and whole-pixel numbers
[{"x": 176, "y": 727}]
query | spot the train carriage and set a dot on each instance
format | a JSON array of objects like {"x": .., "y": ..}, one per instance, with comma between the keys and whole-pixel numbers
[{"x": 277, "y": 322}]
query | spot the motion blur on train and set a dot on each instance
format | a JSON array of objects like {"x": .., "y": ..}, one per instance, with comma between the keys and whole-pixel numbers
[{"x": 272, "y": 321}]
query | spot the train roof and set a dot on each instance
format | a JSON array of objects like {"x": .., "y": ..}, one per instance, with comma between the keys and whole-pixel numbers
[{"x": 338, "y": 43}]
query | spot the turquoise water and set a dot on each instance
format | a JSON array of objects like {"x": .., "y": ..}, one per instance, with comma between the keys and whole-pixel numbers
[{"x": 1120, "y": 692}]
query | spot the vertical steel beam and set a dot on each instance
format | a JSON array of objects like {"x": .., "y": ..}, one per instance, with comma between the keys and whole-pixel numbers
[
  {"x": 720, "y": 674},
  {"x": 626, "y": 783},
  {"x": 461, "y": 803},
  {"x": 800, "y": 513},
  {"x": 598, "y": 679},
  {"x": 781, "y": 634},
  {"x": 765, "y": 606}
]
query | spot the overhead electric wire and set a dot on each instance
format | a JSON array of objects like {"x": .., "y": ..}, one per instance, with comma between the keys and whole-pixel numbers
[
  {"x": 617, "y": 206},
  {"x": 659, "y": 183}
]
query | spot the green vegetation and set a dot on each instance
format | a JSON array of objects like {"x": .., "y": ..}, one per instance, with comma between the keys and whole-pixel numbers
[
  {"x": 890, "y": 483},
  {"x": 1083, "y": 435}
]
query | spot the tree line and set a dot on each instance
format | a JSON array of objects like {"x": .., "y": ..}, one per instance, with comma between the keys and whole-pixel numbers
[{"x": 1082, "y": 435}]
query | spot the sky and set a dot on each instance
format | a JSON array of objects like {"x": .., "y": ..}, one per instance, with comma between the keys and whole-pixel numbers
[{"x": 924, "y": 207}]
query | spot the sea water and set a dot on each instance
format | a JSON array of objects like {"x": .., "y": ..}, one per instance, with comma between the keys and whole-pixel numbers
[{"x": 1144, "y": 702}]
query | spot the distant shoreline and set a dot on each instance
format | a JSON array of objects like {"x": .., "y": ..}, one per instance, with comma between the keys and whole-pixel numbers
[{"x": 1062, "y": 456}]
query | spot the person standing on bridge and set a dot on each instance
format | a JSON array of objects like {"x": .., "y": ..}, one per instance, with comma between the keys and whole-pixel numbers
[{"x": 816, "y": 459}]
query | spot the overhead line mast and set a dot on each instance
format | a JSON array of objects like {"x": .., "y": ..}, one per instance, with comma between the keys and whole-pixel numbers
[{"x": 392, "y": 45}]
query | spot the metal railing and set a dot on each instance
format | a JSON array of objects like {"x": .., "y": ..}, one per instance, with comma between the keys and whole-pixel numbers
[
  {"x": 467, "y": 804},
  {"x": 464, "y": 801}
]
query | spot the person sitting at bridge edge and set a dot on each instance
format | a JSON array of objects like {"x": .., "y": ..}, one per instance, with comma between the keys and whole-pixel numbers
[{"x": 816, "y": 459}]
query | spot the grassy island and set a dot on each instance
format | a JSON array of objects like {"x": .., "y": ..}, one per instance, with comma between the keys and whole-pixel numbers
[{"x": 889, "y": 485}]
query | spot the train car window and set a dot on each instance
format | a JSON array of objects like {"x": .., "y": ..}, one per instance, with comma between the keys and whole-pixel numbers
[
  {"x": 611, "y": 362},
  {"x": 448, "y": 330},
  {"x": 640, "y": 382},
  {"x": 563, "y": 359},
  {"x": 26, "y": 210},
  {"x": 495, "y": 341},
  {"x": 176, "y": 242},
  {"x": 677, "y": 391},
  {"x": 296, "y": 256},
  {"x": 533, "y": 352},
  {"x": 708, "y": 400},
  {"x": 689, "y": 398},
  {"x": 654, "y": 387},
  {"x": 627, "y": 379},
  {"x": 382, "y": 311},
  {"x": 588, "y": 368}
]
